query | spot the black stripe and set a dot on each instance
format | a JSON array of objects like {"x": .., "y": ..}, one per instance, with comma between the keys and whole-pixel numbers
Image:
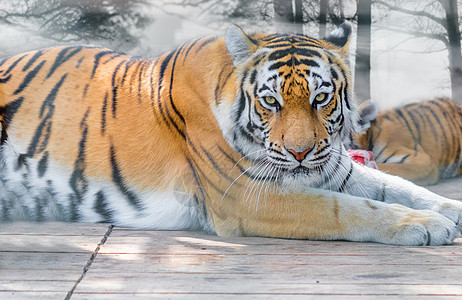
[
  {"x": 8, "y": 111},
  {"x": 114, "y": 101},
  {"x": 85, "y": 90},
  {"x": 279, "y": 64},
  {"x": 189, "y": 49},
  {"x": 128, "y": 64},
  {"x": 98, "y": 57},
  {"x": 435, "y": 116},
  {"x": 101, "y": 206},
  {"x": 416, "y": 125},
  {"x": 328, "y": 176},
  {"x": 388, "y": 117},
  {"x": 252, "y": 76},
  {"x": 118, "y": 180},
  {"x": 42, "y": 165},
  {"x": 193, "y": 147},
  {"x": 5, "y": 79},
  {"x": 264, "y": 88},
  {"x": 342, "y": 186},
  {"x": 242, "y": 100},
  {"x": 216, "y": 166},
  {"x": 198, "y": 182},
  {"x": 22, "y": 162},
  {"x": 308, "y": 62},
  {"x": 162, "y": 69},
  {"x": 103, "y": 114},
  {"x": 78, "y": 181},
  {"x": 334, "y": 73},
  {"x": 3, "y": 61},
  {"x": 79, "y": 62},
  {"x": 28, "y": 78},
  {"x": 32, "y": 60},
  {"x": 113, "y": 57},
  {"x": 378, "y": 154},
  {"x": 240, "y": 108},
  {"x": 62, "y": 58},
  {"x": 73, "y": 207},
  {"x": 212, "y": 185},
  {"x": 232, "y": 160},
  {"x": 13, "y": 65},
  {"x": 400, "y": 114},
  {"x": 139, "y": 63},
  {"x": 205, "y": 43},
  {"x": 40, "y": 203},
  {"x": 450, "y": 125},
  {"x": 220, "y": 85},
  {"x": 280, "y": 53},
  {"x": 345, "y": 94},
  {"x": 42, "y": 132},
  {"x": 404, "y": 158},
  {"x": 390, "y": 156},
  {"x": 114, "y": 89},
  {"x": 140, "y": 74},
  {"x": 171, "y": 97}
]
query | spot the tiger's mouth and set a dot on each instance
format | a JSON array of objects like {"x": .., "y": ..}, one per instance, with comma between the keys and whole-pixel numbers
[{"x": 301, "y": 170}]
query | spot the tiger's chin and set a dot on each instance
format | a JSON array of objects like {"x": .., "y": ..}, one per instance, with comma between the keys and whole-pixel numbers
[
  {"x": 308, "y": 175},
  {"x": 299, "y": 177}
]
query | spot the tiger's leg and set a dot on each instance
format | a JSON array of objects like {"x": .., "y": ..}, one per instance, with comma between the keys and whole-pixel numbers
[
  {"x": 420, "y": 169},
  {"x": 393, "y": 189},
  {"x": 328, "y": 216}
]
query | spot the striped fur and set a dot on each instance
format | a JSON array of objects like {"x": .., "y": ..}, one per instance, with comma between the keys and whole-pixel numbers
[
  {"x": 239, "y": 135},
  {"x": 420, "y": 142}
]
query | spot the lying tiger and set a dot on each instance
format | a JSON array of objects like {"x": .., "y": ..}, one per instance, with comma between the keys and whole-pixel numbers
[
  {"x": 238, "y": 136},
  {"x": 420, "y": 141}
]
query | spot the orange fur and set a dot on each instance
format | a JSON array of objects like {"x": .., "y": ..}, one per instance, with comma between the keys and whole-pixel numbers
[{"x": 420, "y": 142}]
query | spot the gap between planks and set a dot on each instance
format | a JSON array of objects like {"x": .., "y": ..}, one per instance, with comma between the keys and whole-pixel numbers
[{"x": 90, "y": 261}]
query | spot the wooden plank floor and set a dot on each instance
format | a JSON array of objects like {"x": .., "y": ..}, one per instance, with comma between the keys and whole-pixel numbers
[{"x": 98, "y": 261}]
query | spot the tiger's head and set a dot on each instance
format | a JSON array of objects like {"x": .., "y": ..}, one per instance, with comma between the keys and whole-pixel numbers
[{"x": 294, "y": 103}]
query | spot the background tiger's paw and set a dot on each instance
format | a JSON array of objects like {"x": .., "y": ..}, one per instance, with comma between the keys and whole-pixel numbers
[{"x": 425, "y": 228}]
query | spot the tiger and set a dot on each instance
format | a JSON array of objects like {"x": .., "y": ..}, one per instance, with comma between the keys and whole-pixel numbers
[
  {"x": 419, "y": 141},
  {"x": 234, "y": 135}
]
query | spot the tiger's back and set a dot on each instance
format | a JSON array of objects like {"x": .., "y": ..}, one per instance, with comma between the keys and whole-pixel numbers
[{"x": 419, "y": 141}]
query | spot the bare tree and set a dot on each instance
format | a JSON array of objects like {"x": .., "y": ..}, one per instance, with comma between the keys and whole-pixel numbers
[
  {"x": 363, "y": 51},
  {"x": 454, "y": 47},
  {"x": 288, "y": 15},
  {"x": 323, "y": 13},
  {"x": 434, "y": 20},
  {"x": 80, "y": 21}
]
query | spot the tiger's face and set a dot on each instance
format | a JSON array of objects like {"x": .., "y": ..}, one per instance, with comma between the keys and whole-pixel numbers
[{"x": 294, "y": 106}]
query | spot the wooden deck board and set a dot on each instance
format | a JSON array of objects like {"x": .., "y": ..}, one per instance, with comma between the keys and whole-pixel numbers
[
  {"x": 44, "y": 260},
  {"x": 47, "y": 260}
]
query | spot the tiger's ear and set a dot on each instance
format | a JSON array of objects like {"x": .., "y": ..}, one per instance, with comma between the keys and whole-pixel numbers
[
  {"x": 340, "y": 37},
  {"x": 367, "y": 113},
  {"x": 239, "y": 44}
]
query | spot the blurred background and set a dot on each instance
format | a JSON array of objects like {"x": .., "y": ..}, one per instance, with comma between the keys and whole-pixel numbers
[{"x": 403, "y": 51}]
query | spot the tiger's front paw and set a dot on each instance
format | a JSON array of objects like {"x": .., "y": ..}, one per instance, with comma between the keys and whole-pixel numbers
[
  {"x": 424, "y": 228},
  {"x": 452, "y": 210}
]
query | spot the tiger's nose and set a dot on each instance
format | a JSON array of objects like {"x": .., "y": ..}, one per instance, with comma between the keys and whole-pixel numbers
[{"x": 300, "y": 155}]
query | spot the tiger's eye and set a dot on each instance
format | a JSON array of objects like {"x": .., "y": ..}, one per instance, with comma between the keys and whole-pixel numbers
[
  {"x": 270, "y": 100},
  {"x": 321, "y": 97}
]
